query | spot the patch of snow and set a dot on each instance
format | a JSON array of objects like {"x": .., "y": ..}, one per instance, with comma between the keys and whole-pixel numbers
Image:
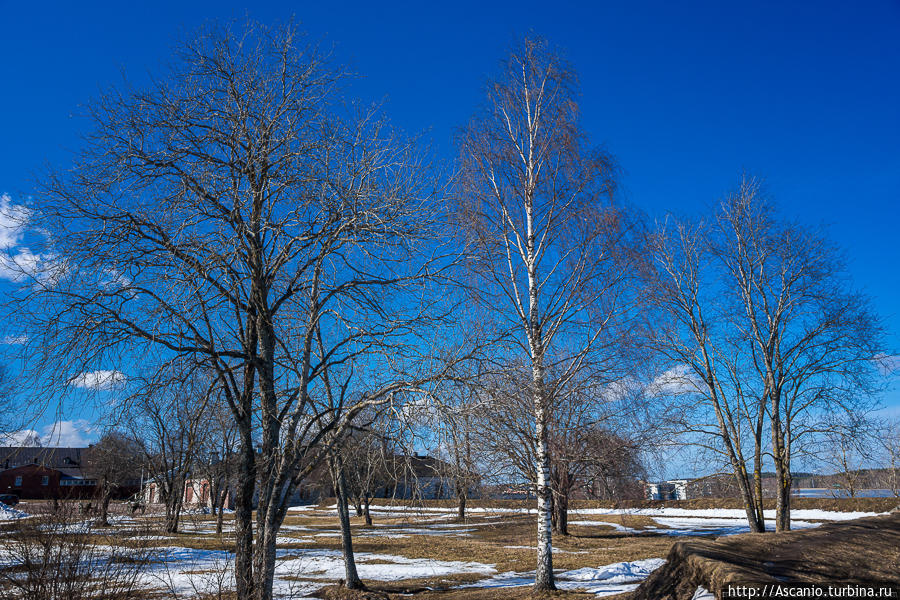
[
  {"x": 684, "y": 526},
  {"x": 607, "y": 580},
  {"x": 8, "y": 513},
  {"x": 714, "y": 526},
  {"x": 621, "y": 572},
  {"x": 702, "y": 593},
  {"x": 186, "y": 571},
  {"x": 615, "y": 526},
  {"x": 728, "y": 513}
]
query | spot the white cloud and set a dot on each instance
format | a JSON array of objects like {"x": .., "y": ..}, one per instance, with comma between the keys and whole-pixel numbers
[
  {"x": 16, "y": 260},
  {"x": 68, "y": 434},
  {"x": 98, "y": 380},
  {"x": 15, "y": 340},
  {"x": 13, "y": 218},
  {"x": 25, "y": 263},
  {"x": 75, "y": 433},
  {"x": 23, "y": 437},
  {"x": 674, "y": 382}
]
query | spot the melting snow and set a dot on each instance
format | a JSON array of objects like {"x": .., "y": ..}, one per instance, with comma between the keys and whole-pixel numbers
[
  {"x": 607, "y": 580},
  {"x": 8, "y": 513}
]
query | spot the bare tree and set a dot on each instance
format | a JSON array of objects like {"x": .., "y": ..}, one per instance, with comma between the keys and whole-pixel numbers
[
  {"x": 815, "y": 340},
  {"x": 890, "y": 445},
  {"x": 848, "y": 444},
  {"x": 217, "y": 457},
  {"x": 236, "y": 215},
  {"x": 759, "y": 322},
  {"x": 578, "y": 415},
  {"x": 541, "y": 235},
  {"x": 114, "y": 461},
  {"x": 366, "y": 456},
  {"x": 703, "y": 362},
  {"x": 614, "y": 467},
  {"x": 456, "y": 429},
  {"x": 168, "y": 411}
]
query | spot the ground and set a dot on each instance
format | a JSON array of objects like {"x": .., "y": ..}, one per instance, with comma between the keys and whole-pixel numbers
[
  {"x": 426, "y": 552},
  {"x": 862, "y": 554}
]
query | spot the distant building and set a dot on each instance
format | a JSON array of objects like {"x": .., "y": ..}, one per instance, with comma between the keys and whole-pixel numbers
[
  {"x": 674, "y": 489},
  {"x": 44, "y": 473}
]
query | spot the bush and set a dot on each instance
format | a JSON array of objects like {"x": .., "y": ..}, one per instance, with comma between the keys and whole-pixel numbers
[{"x": 58, "y": 555}]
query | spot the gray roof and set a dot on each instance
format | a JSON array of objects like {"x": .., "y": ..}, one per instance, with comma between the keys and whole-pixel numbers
[{"x": 56, "y": 458}]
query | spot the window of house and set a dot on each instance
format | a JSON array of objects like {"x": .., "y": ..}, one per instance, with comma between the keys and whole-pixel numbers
[
  {"x": 18, "y": 482},
  {"x": 45, "y": 480}
]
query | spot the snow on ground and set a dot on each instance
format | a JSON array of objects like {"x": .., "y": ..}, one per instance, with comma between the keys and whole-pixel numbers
[
  {"x": 607, "y": 580},
  {"x": 714, "y": 526},
  {"x": 190, "y": 571},
  {"x": 435, "y": 512},
  {"x": 8, "y": 513},
  {"x": 727, "y": 513},
  {"x": 693, "y": 526}
]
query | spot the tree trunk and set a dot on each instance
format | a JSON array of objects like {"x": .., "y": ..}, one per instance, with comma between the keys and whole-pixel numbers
[
  {"x": 747, "y": 496},
  {"x": 104, "y": 506},
  {"x": 757, "y": 466},
  {"x": 543, "y": 578},
  {"x": 357, "y": 505},
  {"x": 561, "y": 508},
  {"x": 552, "y": 510},
  {"x": 366, "y": 512},
  {"x": 265, "y": 552},
  {"x": 351, "y": 578},
  {"x": 782, "y": 467},
  {"x": 173, "y": 505},
  {"x": 220, "y": 507},
  {"x": 461, "y": 508},
  {"x": 243, "y": 518}
]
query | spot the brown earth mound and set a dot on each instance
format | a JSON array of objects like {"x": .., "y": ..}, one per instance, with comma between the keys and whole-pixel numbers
[{"x": 863, "y": 551}]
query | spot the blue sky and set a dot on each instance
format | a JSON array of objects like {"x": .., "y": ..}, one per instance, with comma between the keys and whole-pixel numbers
[{"x": 686, "y": 95}]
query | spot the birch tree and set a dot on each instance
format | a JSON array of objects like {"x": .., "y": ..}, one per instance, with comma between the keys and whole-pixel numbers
[{"x": 541, "y": 235}]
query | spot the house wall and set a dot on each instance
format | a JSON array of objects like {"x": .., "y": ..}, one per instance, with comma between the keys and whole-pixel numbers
[
  {"x": 197, "y": 493},
  {"x": 34, "y": 486}
]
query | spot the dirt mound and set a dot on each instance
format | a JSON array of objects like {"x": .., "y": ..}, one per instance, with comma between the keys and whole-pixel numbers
[{"x": 864, "y": 551}]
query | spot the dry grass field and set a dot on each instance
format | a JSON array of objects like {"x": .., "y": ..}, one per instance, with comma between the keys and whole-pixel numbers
[{"x": 424, "y": 551}]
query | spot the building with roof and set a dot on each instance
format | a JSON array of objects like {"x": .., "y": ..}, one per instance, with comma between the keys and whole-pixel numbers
[
  {"x": 44, "y": 473},
  {"x": 35, "y": 473}
]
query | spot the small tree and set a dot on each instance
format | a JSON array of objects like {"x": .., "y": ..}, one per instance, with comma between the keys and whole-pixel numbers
[
  {"x": 115, "y": 462},
  {"x": 169, "y": 411}
]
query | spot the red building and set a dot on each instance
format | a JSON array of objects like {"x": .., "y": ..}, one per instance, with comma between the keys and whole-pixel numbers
[
  {"x": 39, "y": 482},
  {"x": 44, "y": 473}
]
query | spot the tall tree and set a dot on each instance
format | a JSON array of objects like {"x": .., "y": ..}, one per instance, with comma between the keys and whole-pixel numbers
[
  {"x": 815, "y": 339},
  {"x": 704, "y": 361},
  {"x": 237, "y": 214},
  {"x": 542, "y": 236},
  {"x": 761, "y": 322}
]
